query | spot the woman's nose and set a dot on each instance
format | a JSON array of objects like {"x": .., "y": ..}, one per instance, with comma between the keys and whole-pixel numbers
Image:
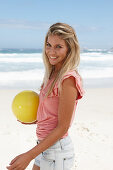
[{"x": 52, "y": 51}]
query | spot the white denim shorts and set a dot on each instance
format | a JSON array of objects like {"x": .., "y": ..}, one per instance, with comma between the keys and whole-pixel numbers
[{"x": 59, "y": 156}]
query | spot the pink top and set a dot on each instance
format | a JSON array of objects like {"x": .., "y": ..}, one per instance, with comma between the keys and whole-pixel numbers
[{"x": 47, "y": 114}]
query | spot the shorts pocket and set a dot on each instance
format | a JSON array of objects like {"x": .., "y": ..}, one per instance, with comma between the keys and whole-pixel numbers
[
  {"x": 48, "y": 156},
  {"x": 46, "y": 163},
  {"x": 68, "y": 162}
]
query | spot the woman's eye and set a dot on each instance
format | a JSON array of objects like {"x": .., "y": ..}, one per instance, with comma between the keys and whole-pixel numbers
[
  {"x": 48, "y": 45},
  {"x": 58, "y": 46}
]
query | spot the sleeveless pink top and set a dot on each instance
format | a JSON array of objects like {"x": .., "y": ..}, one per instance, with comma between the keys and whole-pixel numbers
[{"x": 47, "y": 114}]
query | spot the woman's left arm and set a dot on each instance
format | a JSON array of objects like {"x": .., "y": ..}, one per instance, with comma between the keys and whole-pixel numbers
[{"x": 67, "y": 98}]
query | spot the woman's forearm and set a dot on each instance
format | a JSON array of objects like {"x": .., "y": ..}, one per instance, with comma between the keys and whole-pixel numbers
[{"x": 52, "y": 138}]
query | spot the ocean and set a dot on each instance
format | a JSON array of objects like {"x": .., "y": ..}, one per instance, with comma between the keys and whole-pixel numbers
[{"x": 24, "y": 69}]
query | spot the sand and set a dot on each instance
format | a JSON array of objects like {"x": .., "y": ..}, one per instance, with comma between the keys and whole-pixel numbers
[{"x": 91, "y": 132}]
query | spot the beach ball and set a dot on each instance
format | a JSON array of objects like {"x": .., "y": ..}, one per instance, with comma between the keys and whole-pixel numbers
[{"x": 25, "y": 106}]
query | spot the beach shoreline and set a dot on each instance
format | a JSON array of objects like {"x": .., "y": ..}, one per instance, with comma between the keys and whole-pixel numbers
[
  {"x": 91, "y": 131},
  {"x": 106, "y": 82}
]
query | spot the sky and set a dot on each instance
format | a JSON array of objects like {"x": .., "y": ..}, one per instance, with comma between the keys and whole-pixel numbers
[{"x": 24, "y": 23}]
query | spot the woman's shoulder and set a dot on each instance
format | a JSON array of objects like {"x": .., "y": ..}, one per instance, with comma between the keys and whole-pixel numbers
[
  {"x": 77, "y": 79},
  {"x": 72, "y": 73}
]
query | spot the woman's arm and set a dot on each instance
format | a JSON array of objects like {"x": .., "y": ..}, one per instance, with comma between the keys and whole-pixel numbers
[{"x": 67, "y": 99}]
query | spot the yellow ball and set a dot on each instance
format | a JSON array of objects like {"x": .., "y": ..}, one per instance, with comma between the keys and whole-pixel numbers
[{"x": 25, "y": 106}]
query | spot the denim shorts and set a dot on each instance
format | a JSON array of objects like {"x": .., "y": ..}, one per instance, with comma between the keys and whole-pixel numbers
[{"x": 59, "y": 156}]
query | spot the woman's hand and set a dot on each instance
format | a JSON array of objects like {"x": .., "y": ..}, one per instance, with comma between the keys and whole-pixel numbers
[{"x": 20, "y": 162}]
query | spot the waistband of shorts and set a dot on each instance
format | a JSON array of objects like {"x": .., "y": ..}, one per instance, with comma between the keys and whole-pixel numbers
[
  {"x": 67, "y": 138},
  {"x": 61, "y": 142}
]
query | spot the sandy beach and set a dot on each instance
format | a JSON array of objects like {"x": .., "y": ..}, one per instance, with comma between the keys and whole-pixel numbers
[{"x": 91, "y": 132}]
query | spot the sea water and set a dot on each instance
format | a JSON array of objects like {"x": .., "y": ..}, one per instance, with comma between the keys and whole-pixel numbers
[{"x": 24, "y": 68}]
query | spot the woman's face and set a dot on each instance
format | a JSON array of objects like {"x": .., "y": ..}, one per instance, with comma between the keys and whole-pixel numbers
[{"x": 56, "y": 50}]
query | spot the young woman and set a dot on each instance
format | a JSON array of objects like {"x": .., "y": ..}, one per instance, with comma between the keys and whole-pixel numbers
[{"x": 60, "y": 91}]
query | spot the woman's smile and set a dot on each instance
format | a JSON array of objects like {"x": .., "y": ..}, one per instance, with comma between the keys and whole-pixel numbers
[{"x": 53, "y": 57}]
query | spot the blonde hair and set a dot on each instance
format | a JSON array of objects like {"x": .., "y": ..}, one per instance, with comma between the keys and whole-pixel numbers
[{"x": 72, "y": 60}]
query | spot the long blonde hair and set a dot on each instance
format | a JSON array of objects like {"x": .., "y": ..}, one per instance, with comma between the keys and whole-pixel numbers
[{"x": 72, "y": 60}]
